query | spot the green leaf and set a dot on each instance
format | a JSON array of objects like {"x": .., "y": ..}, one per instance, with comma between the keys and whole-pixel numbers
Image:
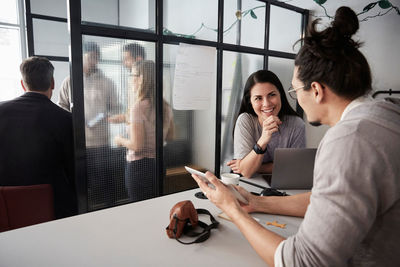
[
  {"x": 384, "y": 4},
  {"x": 369, "y": 6},
  {"x": 253, "y": 15},
  {"x": 320, "y": 2}
]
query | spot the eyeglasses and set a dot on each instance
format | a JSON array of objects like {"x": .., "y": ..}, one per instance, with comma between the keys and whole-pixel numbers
[{"x": 292, "y": 91}]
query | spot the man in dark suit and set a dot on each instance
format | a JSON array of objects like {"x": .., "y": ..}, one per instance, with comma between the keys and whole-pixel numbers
[{"x": 36, "y": 138}]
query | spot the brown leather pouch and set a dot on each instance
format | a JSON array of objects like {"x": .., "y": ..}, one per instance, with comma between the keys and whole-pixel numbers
[
  {"x": 180, "y": 214},
  {"x": 184, "y": 219}
]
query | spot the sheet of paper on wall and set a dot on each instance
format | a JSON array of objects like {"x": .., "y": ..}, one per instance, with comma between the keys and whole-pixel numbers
[{"x": 194, "y": 79}]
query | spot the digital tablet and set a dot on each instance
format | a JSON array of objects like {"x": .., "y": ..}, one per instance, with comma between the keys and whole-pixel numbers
[{"x": 230, "y": 187}]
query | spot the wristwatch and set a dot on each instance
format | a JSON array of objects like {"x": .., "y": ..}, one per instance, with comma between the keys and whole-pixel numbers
[{"x": 258, "y": 149}]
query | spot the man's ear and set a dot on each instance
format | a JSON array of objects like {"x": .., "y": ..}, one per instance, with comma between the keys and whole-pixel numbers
[
  {"x": 318, "y": 92},
  {"x": 23, "y": 87},
  {"x": 52, "y": 83}
]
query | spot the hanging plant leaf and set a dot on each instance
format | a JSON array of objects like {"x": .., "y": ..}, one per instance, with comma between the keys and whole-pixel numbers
[
  {"x": 384, "y": 4},
  {"x": 320, "y": 2},
  {"x": 369, "y": 6},
  {"x": 253, "y": 15}
]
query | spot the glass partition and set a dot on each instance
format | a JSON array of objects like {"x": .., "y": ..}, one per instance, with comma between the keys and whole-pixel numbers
[
  {"x": 283, "y": 68},
  {"x": 194, "y": 136},
  {"x": 138, "y": 14},
  {"x": 284, "y": 29},
  {"x": 252, "y": 19},
  {"x": 112, "y": 116},
  {"x": 191, "y": 18},
  {"x": 51, "y": 38},
  {"x": 55, "y": 8},
  {"x": 119, "y": 122},
  {"x": 237, "y": 68}
]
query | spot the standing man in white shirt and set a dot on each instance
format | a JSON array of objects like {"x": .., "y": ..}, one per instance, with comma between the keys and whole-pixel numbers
[
  {"x": 100, "y": 102},
  {"x": 352, "y": 214}
]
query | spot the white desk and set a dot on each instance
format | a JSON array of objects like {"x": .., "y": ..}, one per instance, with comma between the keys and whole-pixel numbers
[{"x": 132, "y": 235}]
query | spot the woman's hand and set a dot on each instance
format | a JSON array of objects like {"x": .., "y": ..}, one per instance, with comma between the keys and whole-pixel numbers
[
  {"x": 235, "y": 165},
  {"x": 118, "y": 140},
  {"x": 120, "y": 118},
  {"x": 269, "y": 125}
]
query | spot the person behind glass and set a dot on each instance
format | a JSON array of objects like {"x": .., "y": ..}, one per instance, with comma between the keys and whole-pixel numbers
[
  {"x": 265, "y": 122},
  {"x": 133, "y": 53},
  {"x": 352, "y": 215},
  {"x": 140, "y": 173},
  {"x": 100, "y": 102}
]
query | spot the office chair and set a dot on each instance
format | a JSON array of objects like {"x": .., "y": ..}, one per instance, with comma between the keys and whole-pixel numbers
[{"x": 22, "y": 206}]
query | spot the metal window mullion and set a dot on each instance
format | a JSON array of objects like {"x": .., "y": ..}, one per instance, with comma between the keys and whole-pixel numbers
[
  {"x": 266, "y": 36},
  {"x": 218, "y": 108},
  {"x": 49, "y": 18},
  {"x": 29, "y": 28},
  {"x": 78, "y": 115},
  {"x": 159, "y": 99}
]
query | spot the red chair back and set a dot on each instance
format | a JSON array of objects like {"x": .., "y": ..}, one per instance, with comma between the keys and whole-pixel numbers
[{"x": 25, "y": 205}]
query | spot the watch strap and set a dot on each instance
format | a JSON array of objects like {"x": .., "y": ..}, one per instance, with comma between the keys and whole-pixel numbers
[{"x": 258, "y": 149}]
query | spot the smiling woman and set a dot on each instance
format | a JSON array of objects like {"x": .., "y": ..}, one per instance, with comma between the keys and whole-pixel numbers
[{"x": 265, "y": 122}]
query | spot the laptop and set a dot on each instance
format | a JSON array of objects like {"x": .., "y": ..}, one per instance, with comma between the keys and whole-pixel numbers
[{"x": 293, "y": 168}]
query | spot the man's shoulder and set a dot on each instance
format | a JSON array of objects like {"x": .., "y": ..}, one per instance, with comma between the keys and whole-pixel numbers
[
  {"x": 12, "y": 103},
  {"x": 58, "y": 111},
  {"x": 370, "y": 121}
]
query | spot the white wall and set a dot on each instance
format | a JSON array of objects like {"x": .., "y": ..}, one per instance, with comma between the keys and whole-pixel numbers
[{"x": 381, "y": 37}]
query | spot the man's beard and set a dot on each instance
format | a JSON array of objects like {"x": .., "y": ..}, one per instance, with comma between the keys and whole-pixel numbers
[{"x": 315, "y": 123}]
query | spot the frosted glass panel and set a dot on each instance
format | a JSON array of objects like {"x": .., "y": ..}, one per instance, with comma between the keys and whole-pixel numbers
[
  {"x": 117, "y": 107},
  {"x": 283, "y": 68},
  {"x": 56, "y": 8},
  {"x": 139, "y": 14},
  {"x": 187, "y": 17},
  {"x": 237, "y": 67},
  {"x": 252, "y": 28},
  {"x": 50, "y": 38},
  {"x": 100, "y": 11},
  {"x": 285, "y": 29}
]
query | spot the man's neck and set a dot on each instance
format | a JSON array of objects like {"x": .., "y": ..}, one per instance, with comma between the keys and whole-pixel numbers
[
  {"x": 45, "y": 93},
  {"x": 336, "y": 110}
]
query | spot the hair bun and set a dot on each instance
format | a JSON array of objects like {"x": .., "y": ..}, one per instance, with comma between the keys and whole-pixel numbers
[{"x": 345, "y": 22}]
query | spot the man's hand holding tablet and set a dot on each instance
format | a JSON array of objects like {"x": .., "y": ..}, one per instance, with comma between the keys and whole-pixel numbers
[{"x": 215, "y": 183}]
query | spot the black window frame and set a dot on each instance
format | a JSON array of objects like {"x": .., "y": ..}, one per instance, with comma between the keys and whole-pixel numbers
[{"x": 77, "y": 29}]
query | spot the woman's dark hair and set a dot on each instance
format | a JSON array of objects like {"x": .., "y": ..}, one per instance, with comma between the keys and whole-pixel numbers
[
  {"x": 264, "y": 76},
  {"x": 332, "y": 58}
]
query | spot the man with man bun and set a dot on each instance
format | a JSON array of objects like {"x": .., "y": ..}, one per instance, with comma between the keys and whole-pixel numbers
[{"x": 352, "y": 214}]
